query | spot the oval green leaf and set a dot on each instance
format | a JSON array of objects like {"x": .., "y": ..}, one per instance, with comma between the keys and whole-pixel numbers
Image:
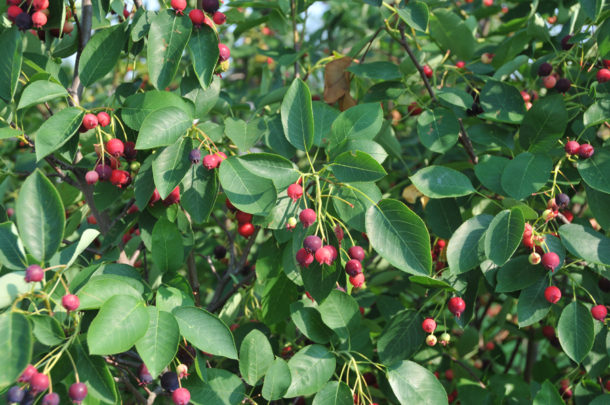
[
  {"x": 297, "y": 115},
  {"x": 463, "y": 248},
  {"x": 101, "y": 53},
  {"x": 594, "y": 171},
  {"x": 310, "y": 368},
  {"x": 334, "y": 393},
  {"x": 442, "y": 182},
  {"x": 171, "y": 164},
  {"x": 40, "y": 91},
  {"x": 163, "y": 128},
  {"x": 159, "y": 344},
  {"x": 255, "y": 356},
  {"x": 504, "y": 235},
  {"x": 414, "y": 384},
  {"x": 526, "y": 174},
  {"x": 438, "y": 129},
  {"x": 57, "y": 130},
  {"x": 277, "y": 380},
  {"x": 15, "y": 346},
  {"x": 203, "y": 47},
  {"x": 585, "y": 243},
  {"x": 357, "y": 166},
  {"x": 575, "y": 331}
]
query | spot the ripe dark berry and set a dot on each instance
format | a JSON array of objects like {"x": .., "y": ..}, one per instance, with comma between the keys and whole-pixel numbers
[
  {"x": 51, "y": 398},
  {"x": 144, "y": 375},
  {"x": 23, "y": 21},
  {"x": 324, "y": 256},
  {"x": 197, "y": 17},
  {"x": 603, "y": 75},
  {"x": 210, "y": 162},
  {"x": 15, "y": 394},
  {"x": 210, "y": 6},
  {"x": 246, "y": 230},
  {"x": 304, "y": 258},
  {"x": 220, "y": 252},
  {"x": 179, "y": 6},
  {"x": 169, "y": 381},
  {"x": 243, "y": 217},
  {"x": 295, "y": 191},
  {"x": 550, "y": 261},
  {"x": 39, "y": 382},
  {"x": 599, "y": 312},
  {"x": 89, "y": 121},
  {"x": 563, "y": 85},
  {"x": 312, "y": 243},
  {"x": 552, "y": 294},
  {"x": 70, "y": 302},
  {"x": 572, "y": 147},
  {"x": 545, "y": 69},
  {"x": 357, "y": 281},
  {"x": 562, "y": 200},
  {"x": 224, "y": 53},
  {"x": 353, "y": 267},
  {"x": 356, "y": 252},
  {"x": 104, "y": 171},
  {"x": 307, "y": 217},
  {"x": 219, "y": 18},
  {"x": 39, "y": 19},
  {"x": 564, "y": 43},
  {"x": 456, "y": 306},
  {"x": 428, "y": 71},
  {"x": 130, "y": 151},
  {"x": 195, "y": 156},
  {"x": 27, "y": 374},
  {"x": 173, "y": 197},
  {"x": 586, "y": 151},
  {"x": 115, "y": 147},
  {"x": 428, "y": 325},
  {"x": 604, "y": 284},
  {"x": 77, "y": 392},
  {"x": 34, "y": 273},
  {"x": 181, "y": 396}
]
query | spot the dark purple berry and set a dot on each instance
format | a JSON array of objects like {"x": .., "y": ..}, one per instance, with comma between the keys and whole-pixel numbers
[
  {"x": 564, "y": 43},
  {"x": 195, "y": 156},
  {"x": 356, "y": 252},
  {"x": 563, "y": 85},
  {"x": 210, "y": 6},
  {"x": 169, "y": 381},
  {"x": 545, "y": 69},
  {"x": 312, "y": 243},
  {"x": 353, "y": 267},
  {"x": 220, "y": 252},
  {"x": 50, "y": 399},
  {"x": 77, "y": 392},
  {"x": 15, "y": 394},
  {"x": 23, "y": 21},
  {"x": 562, "y": 200}
]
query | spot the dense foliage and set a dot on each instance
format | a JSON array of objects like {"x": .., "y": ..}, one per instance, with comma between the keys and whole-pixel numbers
[{"x": 297, "y": 201}]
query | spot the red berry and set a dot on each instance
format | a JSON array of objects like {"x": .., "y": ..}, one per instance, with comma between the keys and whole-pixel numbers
[
  {"x": 27, "y": 374},
  {"x": 154, "y": 198},
  {"x": 219, "y": 18},
  {"x": 549, "y": 82},
  {"x": 550, "y": 261},
  {"x": 211, "y": 162},
  {"x": 115, "y": 147},
  {"x": 173, "y": 197},
  {"x": 39, "y": 19},
  {"x": 324, "y": 256},
  {"x": 91, "y": 177},
  {"x": 103, "y": 118},
  {"x": 229, "y": 205},
  {"x": 414, "y": 108},
  {"x": 460, "y": 64},
  {"x": 13, "y": 12},
  {"x": 356, "y": 252},
  {"x": 89, "y": 121},
  {"x": 552, "y": 294},
  {"x": 307, "y": 217},
  {"x": 91, "y": 220},
  {"x": 353, "y": 267},
  {"x": 428, "y": 325},
  {"x": 599, "y": 312},
  {"x": 333, "y": 251},
  {"x": 449, "y": 374},
  {"x": 70, "y": 302},
  {"x": 221, "y": 156},
  {"x": 178, "y": 5},
  {"x": 357, "y": 281},
  {"x": 224, "y": 52},
  {"x": 456, "y": 306},
  {"x": 526, "y": 96},
  {"x": 246, "y": 230},
  {"x": 304, "y": 257},
  {"x": 181, "y": 396},
  {"x": 428, "y": 71},
  {"x": 120, "y": 178},
  {"x": 295, "y": 191},
  {"x": 312, "y": 243},
  {"x": 39, "y": 382},
  {"x": 126, "y": 13},
  {"x": 572, "y": 147},
  {"x": 586, "y": 151},
  {"x": 339, "y": 233},
  {"x": 548, "y": 332},
  {"x": 197, "y": 17},
  {"x": 51, "y": 398},
  {"x": 40, "y": 4},
  {"x": 34, "y": 273},
  {"x": 77, "y": 392},
  {"x": 243, "y": 217},
  {"x": 603, "y": 75}
]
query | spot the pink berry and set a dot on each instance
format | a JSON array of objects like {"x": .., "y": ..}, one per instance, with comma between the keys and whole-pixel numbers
[
  {"x": 307, "y": 217},
  {"x": 39, "y": 19},
  {"x": 91, "y": 177},
  {"x": 211, "y": 162},
  {"x": 197, "y": 17},
  {"x": 572, "y": 147},
  {"x": 295, "y": 191},
  {"x": 115, "y": 147},
  {"x": 333, "y": 251},
  {"x": 339, "y": 233},
  {"x": 70, "y": 302},
  {"x": 120, "y": 178},
  {"x": 304, "y": 258},
  {"x": 89, "y": 121},
  {"x": 324, "y": 256},
  {"x": 357, "y": 281},
  {"x": 181, "y": 396},
  {"x": 599, "y": 312},
  {"x": 603, "y": 75},
  {"x": 550, "y": 261},
  {"x": 154, "y": 198},
  {"x": 552, "y": 294},
  {"x": 34, "y": 273},
  {"x": 103, "y": 118},
  {"x": 27, "y": 374},
  {"x": 77, "y": 392},
  {"x": 456, "y": 306},
  {"x": 428, "y": 325},
  {"x": 39, "y": 382},
  {"x": 356, "y": 252},
  {"x": 353, "y": 267},
  {"x": 221, "y": 156},
  {"x": 178, "y": 5},
  {"x": 460, "y": 64},
  {"x": 585, "y": 151},
  {"x": 219, "y": 18},
  {"x": 13, "y": 12},
  {"x": 243, "y": 217},
  {"x": 51, "y": 398},
  {"x": 224, "y": 53},
  {"x": 40, "y": 4},
  {"x": 428, "y": 71},
  {"x": 549, "y": 81}
]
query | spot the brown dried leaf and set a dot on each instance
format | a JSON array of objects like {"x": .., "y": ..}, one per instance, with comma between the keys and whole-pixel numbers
[{"x": 336, "y": 80}]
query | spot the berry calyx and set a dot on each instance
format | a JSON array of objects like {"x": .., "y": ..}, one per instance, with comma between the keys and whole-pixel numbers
[
  {"x": 534, "y": 258},
  {"x": 357, "y": 281},
  {"x": 89, "y": 121},
  {"x": 307, "y": 217},
  {"x": 603, "y": 75},
  {"x": 77, "y": 392},
  {"x": 324, "y": 256},
  {"x": 353, "y": 267},
  {"x": 51, "y": 398},
  {"x": 572, "y": 147},
  {"x": 39, "y": 19},
  {"x": 246, "y": 230},
  {"x": 304, "y": 258},
  {"x": 428, "y": 71},
  {"x": 91, "y": 177},
  {"x": 295, "y": 191},
  {"x": 179, "y": 6},
  {"x": 356, "y": 252},
  {"x": 550, "y": 261},
  {"x": 599, "y": 312},
  {"x": 552, "y": 294},
  {"x": 197, "y": 17},
  {"x": 27, "y": 374},
  {"x": 428, "y": 325},
  {"x": 545, "y": 69},
  {"x": 312, "y": 243},
  {"x": 34, "y": 273},
  {"x": 456, "y": 306},
  {"x": 15, "y": 395},
  {"x": 585, "y": 151},
  {"x": 224, "y": 53},
  {"x": 115, "y": 147},
  {"x": 181, "y": 396},
  {"x": 70, "y": 302},
  {"x": 431, "y": 340},
  {"x": 39, "y": 382},
  {"x": 219, "y": 18},
  {"x": 211, "y": 162}
]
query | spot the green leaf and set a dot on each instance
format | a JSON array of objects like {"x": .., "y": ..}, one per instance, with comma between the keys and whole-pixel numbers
[
  {"x": 100, "y": 289},
  {"x": 489, "y": 172},
  {"x": 414, "y": 384},
  {"x": 361, "y": 196},
  {"x": 10, "y": 62},
  {"x": 438, "y": 129},
  {"x": 169, "y": 298},
  {"x": 15, "y": 346},
  {"x": 140, "y": 105},
  {"x": 379, "y": 70},
  {"x": 504, "y": 235},
  {"x": 277, "y": 380},
  {"x": 163, "y": 128},
  {"x": 603, "y": 39},
  {"x": 399, "y": 236},
  {"x": 70, "y": 254},
  {"x": 594, "y": 171},
  {"x": 221, "y": 387},
  {"x": 40, "y": 216},
  {"x": 12, "y": 255},
  {"x": 334, "y": 393},
  {"x": 340, "y": 312},
  {"x": 47, "y": 330},
  {"x": 203, "y": 47},
  {"x": 199, "y": 192},
  {"x": 297, "y": 115},
  {"x": 159, "y": 344},
  {"x": 401, "y": 338},
  {"x": 319, "y": 280},
  {"x": 40, "y": 91},
  {"x": 586, "y": 243},
  {"x": 205, "y": 331},
  {"x": 255, "y": 356},
  {"x": 462, "y": 251},
  {"x": 273, "y": 167},
  {"x": 167, "y": 250},
  {"x": 362, "y": 121},
  {"x": 502, "y": 102},
  {"x": 123, "y": 317},
  {"x": 375, "y": 150},
  {"x": 247, "y": 191},
  {"x": 518, "y": 274},
  {"x": 244, "y": 134},
  {"x": 544, "y": 124},
  {"x": 575, "y": 331},
  {"x": 323, "y": 118},
  {"x": 141, "y": 24},
  {"x": 310, "y": 368},
  {"x": 533, "y": 306},
  {"x": 11, "y": 285},
  {"x": 415, "y": 15},
  {"x": 102, "y": 53},
  {"x": 548, "y": 395},
  {"x": 277, "y": 296},
  {"x": 171, "y": 164},
  {"x": 442, "y": 182},
  {"x": 171, "y": 33},
  {"x": 57, "y": 130},
  {"x": 144, "y": 183},
  {"x": 443, "y": 216},
  {"x": 592, "y": 8},
  {"x": 526, "y": 174},
  {"x": 309, "y": 322},
  {"x": 93, "y": 371},
  {"x": 357, "y": 166},
  {"x": 452, "y": 33},
  {"x": 598, "y": 203}
]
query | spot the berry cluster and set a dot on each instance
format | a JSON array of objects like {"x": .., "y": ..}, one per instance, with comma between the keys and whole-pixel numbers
[
  {"x": 244, "y": 221},
  {"x": 26, "y": 14},
  {"x": 170, "y": 381},
  {"x": 35, "y": 383}
]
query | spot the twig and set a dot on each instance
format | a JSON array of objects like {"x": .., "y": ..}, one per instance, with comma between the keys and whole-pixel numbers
[
  {"x": 84, "y": 34},
  {"x": 467, "y": 369},
  {"x": 233, "y": 290},
  {"x": 420, "y": 69},
  {"x": 369, "y": 44},
  {"x": 153, "y": 395},
  {"x": 295, "y": 36},
  {"x": 122, "y": 214},
  {"x": 193, "y": 278},
  {"x": 530, "y": 358},
  {"x": 513, "y": 355},
  {"x": 466, "y": 143},
  {"x": 211, "y": 264}
]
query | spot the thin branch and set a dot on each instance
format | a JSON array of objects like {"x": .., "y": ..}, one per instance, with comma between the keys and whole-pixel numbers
[
  {"x": 122, "y": 214},
  {"x": 84, "y": 33},
  {"x": 366, "y": 51},
  {"x": 420, "y": 69},
  {"x": 466, "y": 143},
  {"x": 467, "y": 369},
  {"x": 153, "y": 396},
  {"x": 295, "y": 36},
  {"x": 193, "y": 278},
  {"x": 530, "y": 357},
  {"x": 233, "y": 290},
  {"x": 513, "y": 355}
]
